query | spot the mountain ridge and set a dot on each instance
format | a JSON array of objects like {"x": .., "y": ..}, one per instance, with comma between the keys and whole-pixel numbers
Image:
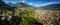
[{"x": 55, "y": 6}]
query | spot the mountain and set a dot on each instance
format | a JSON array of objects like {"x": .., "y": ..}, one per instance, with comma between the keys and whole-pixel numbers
[
  {"x": 3, "y": 6},
  {"x": 11, "y": 4},
  {"x": 21, "y": 4},
  {"x": 52, "y": 6}
]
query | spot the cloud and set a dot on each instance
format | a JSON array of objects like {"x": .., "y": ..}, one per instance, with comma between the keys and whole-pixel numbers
[
  {"x": 44, "y": 4},
  {"x": 30, "y": 3},
  {"x": 13, "y": 1},
  {"x": 10, "y": 1},
  {"x": 7, "y": 0},
  {"x": 48, "y": 3},
  {"x": 22, "y": 0}
]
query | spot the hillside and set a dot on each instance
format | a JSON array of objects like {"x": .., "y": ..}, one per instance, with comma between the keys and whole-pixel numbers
[
  {"x": 24, "y": 14},
  {"x": 3, "y": 6},
  {"x": 20, "y": 4},
  {"x": 48, "y": 16}
]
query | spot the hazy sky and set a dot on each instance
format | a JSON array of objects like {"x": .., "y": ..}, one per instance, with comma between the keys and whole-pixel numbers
[{"x": 36, "y": 3}]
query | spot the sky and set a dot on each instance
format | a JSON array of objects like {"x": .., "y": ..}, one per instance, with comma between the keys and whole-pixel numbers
[{"x": 36, "y": 3}]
